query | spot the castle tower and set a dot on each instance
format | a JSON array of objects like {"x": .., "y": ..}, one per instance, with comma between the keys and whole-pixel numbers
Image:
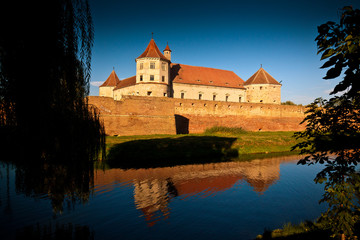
[
  {"x": 167, "y": 52},
  {"x": 152, "y": 72},
  {"x": 106, "y": 89},
  {"x": 261, "y": 87}
]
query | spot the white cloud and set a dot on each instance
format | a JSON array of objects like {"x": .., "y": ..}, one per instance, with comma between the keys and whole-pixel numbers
[
  {"x": 328, "y": 91},
  {"x": 96, "y": 83}
]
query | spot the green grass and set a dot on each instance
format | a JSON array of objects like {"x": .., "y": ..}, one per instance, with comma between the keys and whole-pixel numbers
[
  {"x": 305, "y": 230},
  {"x": 264, "y": 142},
  {"x": 224, "y": 130},
  {"x": 246, "y": 142},
  {"x": 215, "y": 144}
]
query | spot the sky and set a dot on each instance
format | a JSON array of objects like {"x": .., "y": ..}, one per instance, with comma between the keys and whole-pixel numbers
[{"x": 232, "y": 35}]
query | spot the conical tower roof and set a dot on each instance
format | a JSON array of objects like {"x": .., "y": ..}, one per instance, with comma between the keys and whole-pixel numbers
[
  {"x": 261, "y": 77},
  {"x": 152, "y": 51},
  {"x": 111, "y": 81},
  {"x": 167, "y": 48}
]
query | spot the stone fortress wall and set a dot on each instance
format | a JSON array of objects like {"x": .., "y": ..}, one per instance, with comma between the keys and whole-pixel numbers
[{"x": 136, "y": 115}]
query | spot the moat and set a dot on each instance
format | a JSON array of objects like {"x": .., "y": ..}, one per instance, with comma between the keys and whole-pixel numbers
[{"x": 229, "y": 200}]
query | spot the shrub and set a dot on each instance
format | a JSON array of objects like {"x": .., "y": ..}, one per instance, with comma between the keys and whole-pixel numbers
[{"x": 220, "y": 129}]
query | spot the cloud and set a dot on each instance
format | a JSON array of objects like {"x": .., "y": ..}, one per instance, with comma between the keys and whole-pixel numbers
[
  {"x": 337, "y": 94},
  {"x": 96, "y": 83},
  {"x": 328, "y": 91}
]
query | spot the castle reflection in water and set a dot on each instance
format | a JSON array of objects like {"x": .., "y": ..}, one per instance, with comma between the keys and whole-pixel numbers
[{"x": 154, "y": 188}]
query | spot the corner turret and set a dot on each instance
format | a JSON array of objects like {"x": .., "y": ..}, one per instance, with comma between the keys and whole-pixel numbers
[
  {"x": 106, "y": 89},
  {"x": 261, "y": 87},
  {"x": 167, "y": 52}
]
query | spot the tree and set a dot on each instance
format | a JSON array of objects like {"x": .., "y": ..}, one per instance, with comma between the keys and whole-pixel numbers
[
  {"x": 332, "y": 134},
  {"x": 45, "y": 64},
  {"x": 288, "y": 103},
  {"x": 340, "y": 44}
]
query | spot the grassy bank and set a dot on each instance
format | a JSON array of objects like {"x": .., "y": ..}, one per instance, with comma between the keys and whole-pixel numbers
[
  {"x": 245, "y": 142},
  {"x": 305, "y": 231},
  {"x": 215, "y": 144}
]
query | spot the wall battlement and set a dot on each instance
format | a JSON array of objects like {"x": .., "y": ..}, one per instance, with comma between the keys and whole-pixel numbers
[{"x": 136, "y": 115}]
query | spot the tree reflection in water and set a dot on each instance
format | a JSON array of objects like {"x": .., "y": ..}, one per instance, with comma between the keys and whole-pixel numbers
[
  {"x": 64, "y": 184},
  {"x": 47, "y": 232}
]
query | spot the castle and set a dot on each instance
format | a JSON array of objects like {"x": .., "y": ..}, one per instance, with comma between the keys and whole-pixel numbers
[
  {"x": 171, "y": 98},
  {"x": 157, "y": 76}
]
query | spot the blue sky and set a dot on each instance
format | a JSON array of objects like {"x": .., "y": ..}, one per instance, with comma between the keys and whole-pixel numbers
[{"x": 231, "y": 35}]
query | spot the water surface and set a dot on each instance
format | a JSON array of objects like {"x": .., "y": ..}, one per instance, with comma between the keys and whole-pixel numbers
[{"x": 230, "y": 200}]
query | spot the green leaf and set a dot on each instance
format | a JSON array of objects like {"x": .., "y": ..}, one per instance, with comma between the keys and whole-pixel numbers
[
  {"x": 331, "y": 62},
  {"x": 334, "y": 72},
  {"x": 328, "y": 53},
  {"x": 352, "y": 48},
  {"x": 349, "y": 37}
]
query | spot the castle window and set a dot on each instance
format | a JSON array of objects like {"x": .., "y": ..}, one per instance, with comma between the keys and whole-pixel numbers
[
  {"x": 141, "y": 78},
  {"x": 260, "y": 88},
  {"x": 149, "y": 93},
  {"x": 182, "y": 95},
  {"x": 165, "y": 94},
  {"x": 200, "y": 96},
  {"x": 261, "y": 100},
  {"x": 141, "y": 66},
  {"x": 163, "y": 66},
  {"x": 152, "y": 65},
  {"x": 151, "y": 77},
  {"x": 163, "y": 78},
  {"x": 214, "y": 97},
  {"x": 226, "y": 98},
  {"x": 239, "y": 99}
]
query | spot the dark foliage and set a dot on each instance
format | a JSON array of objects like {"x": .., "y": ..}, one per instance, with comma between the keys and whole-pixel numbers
[
  {"x": 288, "y": 103},
  {"x": 45, "y": 55},
  {"x": 59, "y": 232},
  {"x": 332, "y": 134},
  {"x": 63, "y": 184},
  {"x": 340, "y": 44}
]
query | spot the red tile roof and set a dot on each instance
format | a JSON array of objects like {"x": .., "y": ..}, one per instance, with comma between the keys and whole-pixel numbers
[
  {"x": 153, "y": 51},
  {"x": 181, "y": 73},
  {"x": 126, "y": 82},
  {"x": 261, "y": 77},
  {"x": 167, "y": 48},
  {"x": 111, "y": 81}
]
